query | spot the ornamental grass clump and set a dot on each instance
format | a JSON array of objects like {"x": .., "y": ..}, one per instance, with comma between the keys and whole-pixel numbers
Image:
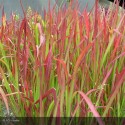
[{"x": 65, "y": 63}]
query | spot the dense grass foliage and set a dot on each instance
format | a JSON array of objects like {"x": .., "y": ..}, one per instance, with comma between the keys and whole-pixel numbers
[
  {"x": 64, "y": 64},
  {"x": 121, "y": 2}
]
